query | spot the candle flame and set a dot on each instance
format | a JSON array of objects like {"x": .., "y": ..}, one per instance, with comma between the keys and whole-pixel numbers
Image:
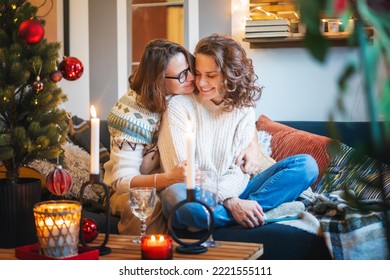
[
  {"x": 160, "y": 238},
  {"x": 93, "y": 112}
]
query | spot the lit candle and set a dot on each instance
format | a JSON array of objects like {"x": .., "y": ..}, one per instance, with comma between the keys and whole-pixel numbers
[
  {"x": 58, "y": 225},
  {"x": 53, "y": 227},
  {"x": 190, "y": 145},
  {"x": 95, "y": 142},
  {"x": 156, "y": 247}
]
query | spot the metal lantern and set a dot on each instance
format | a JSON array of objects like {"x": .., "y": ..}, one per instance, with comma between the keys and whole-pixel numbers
[{"x": 58, "y": 224}]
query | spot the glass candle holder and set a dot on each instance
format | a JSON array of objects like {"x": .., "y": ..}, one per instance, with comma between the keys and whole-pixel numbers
[
  {"x": 58, "y": 224},
  {"x": 156, "y": 247}
]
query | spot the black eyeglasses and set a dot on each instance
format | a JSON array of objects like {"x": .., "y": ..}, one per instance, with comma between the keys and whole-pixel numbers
[{"x": 182, "y": 77}]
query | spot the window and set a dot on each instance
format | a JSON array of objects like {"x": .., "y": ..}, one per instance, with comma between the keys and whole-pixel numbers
[{"x": 155, "y": 19}]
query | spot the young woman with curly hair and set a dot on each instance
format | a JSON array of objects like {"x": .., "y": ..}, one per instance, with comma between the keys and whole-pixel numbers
[{"x": 223, "y": 117}]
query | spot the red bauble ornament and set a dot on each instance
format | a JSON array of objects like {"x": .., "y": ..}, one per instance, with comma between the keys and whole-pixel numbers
[
  {"x": 71, "y": 68},
  {"x": 59, "y": 181},
  {"x": 90, "y": 229},
  {"x": 31, "y": 31},
  {"x": 56, "y": 76}
]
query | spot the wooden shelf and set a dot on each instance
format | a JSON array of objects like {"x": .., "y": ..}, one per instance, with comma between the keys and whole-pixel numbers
[
  {"x": 288, "y": 9},
  {"x": 336, "y": 39},
  {"x": 339, "y": 39}
]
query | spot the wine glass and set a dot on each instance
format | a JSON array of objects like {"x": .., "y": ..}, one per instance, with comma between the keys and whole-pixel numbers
[
  {"x": 208, "y": 194},
  {"x": 142, "y": 202}
]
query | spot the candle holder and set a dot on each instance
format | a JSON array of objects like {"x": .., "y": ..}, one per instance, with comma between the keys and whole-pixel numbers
[
  {"x": 156, "y": 247},
  {"x": 58, "y": 223},
  {"x": 95, "y": 180},
  {"x": 191, "y": 247}
]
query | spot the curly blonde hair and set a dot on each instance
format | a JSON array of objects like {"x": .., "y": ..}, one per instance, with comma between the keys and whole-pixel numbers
[{"x": 239, "y": 78}]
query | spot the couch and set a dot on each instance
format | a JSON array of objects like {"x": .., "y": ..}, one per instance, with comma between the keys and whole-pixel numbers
[{"x": 281, "y": 240}]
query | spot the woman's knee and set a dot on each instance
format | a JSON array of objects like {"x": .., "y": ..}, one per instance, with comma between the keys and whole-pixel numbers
[{"x": 310, "y": 167}]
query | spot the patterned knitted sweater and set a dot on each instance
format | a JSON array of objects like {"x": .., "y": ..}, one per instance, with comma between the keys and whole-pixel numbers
[
  {"x": 133, "y": 130},
  {"x": 220, "y": 137}
]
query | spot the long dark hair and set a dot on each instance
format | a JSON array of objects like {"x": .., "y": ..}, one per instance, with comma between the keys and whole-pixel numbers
[{"x": 148, "y": 79}]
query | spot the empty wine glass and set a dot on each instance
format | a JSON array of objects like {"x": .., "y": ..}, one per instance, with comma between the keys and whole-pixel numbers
[
  {"x": 142, "y": 202},
  {"x": 208, "y": 187}
]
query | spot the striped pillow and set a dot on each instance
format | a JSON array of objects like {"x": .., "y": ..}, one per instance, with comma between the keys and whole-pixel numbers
[{"x": 350, "y": 170}]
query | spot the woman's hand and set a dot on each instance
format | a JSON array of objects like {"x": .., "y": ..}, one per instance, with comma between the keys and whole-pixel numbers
[
  {"x": 249, "y": 159},
  {"x": 247, "y": 213},
  {"x": 177, "y": 174}
]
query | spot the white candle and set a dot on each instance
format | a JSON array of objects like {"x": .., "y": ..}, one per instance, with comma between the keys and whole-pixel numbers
[
  {"x": 190, "y": 145},
  {"x": 55, "y": 228},
  {"x": 95, "y": 142}
]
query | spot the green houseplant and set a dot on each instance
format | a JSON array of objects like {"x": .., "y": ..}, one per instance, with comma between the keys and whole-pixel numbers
[
  {"x": 373, "y": 64},
  {"x": 31, "y": 124}
]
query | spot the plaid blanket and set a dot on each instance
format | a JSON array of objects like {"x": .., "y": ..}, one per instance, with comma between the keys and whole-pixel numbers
[{"x": 350, "y": 233}]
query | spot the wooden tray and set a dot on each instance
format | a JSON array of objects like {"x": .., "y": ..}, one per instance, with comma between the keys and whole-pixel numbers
[{"x": 31, "y": 252}]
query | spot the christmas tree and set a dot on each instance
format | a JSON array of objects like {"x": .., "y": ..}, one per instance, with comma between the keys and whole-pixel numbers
[{"x": 32, "y": 126}]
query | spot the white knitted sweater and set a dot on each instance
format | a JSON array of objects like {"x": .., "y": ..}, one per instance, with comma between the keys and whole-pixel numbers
[{"x": 220, "y": 137}]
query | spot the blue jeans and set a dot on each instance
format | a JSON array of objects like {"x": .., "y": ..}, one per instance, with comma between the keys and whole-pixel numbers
[{"x": 282, "y": 182}]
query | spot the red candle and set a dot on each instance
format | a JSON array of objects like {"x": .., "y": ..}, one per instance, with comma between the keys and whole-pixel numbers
[{"x": 156, "y": 247}]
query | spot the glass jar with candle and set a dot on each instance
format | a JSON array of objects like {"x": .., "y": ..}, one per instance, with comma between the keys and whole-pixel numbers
[{"x": 58, "y": 224}]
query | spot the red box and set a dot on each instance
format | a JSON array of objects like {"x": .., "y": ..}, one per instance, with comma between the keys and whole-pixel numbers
[{"x": 31, "y": 252}]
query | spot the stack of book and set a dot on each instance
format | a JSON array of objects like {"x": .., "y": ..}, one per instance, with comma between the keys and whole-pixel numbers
[{"x": 268, "y": 28}]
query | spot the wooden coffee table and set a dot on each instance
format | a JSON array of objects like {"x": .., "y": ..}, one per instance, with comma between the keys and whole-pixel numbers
[{"x": 124, "y": 249}]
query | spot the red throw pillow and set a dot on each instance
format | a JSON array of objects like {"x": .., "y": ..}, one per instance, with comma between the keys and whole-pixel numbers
[{"x": 287, "y": 141}]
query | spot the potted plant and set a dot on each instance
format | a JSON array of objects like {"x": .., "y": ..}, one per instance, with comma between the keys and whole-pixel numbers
[
  {"x": 31, "y": 124},
  {"x": 373, "y": 64}
]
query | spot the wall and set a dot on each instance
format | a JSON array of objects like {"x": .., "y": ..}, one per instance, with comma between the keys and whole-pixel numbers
[
  {"x": 295, "y": 86},
  {"x": 214, "y": 16},
  {"x": 78, "y": 91},
  {"x": 298, "y": 88},
  {"x": 103, "y": 55},
  {"x": 98, "y": 38}
]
